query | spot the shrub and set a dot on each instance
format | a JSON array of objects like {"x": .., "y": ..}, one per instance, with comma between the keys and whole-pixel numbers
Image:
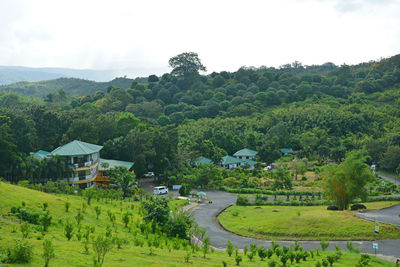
[
  {"x": 86, "y": 236},
  {"x": 25, "y": 229},
  {"x": 29, "y": 216},
  {"x": 331, "y": 259},
  {"x": 48, "y": 252},
  {"x": 187, "y": 256},
  {"x": 68, "y": 230},
  {"x": 21, "y": 252},
  {"x": 272, "y": 263},
  {"x": 270, "y": 252},
  {"x": 119, "y": 242},
  {"x": 338, "y": 254},
  {"x": 79, "y": 217},
  {"x": 262, "y": 253},
  {"x": 238, "y": 259},
  {"x": 274, "y": 245},
  {"x": 284, "y": 258},
  {"x": 179, "y": 224},
  {"x": 358, "y": 207},
  {"x": 324, "y": 245},
  {"x": 332, "y": 208},
  {"x": 229, "y": 248},
  {"x": 305, "y": 255},
  {"x": 363, "y": 261},
  {"x": 185, "y": 190},
  {"x": 97, "y": 209},
  {"x": 242, "y": 201},
  {"x": 297, "y": 246},
  {"x": 126, "y": 218},
  {"x": 206, "y": 246},
  {"x": 250, "y": 256},
  {"x": 67, "y": 205},
  {"x": 101, "y": 246},
  {"x": 298, "y": 256},
  {"x": 45, "y": 220},
  {"x": 292, "y": 256}
]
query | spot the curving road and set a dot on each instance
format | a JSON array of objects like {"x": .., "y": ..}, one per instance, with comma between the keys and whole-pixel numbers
[
  {"x": 205, "y": 215},
  {"x": 388, "y": 215}
]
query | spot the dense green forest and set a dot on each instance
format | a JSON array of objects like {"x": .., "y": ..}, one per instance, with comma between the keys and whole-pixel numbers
[{"x": 162, "y": 122}]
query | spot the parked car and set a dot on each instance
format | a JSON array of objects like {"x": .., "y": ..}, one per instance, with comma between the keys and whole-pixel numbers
[
  {"x": 160, "y": 190},
  {"x": 149, "y": 175}
]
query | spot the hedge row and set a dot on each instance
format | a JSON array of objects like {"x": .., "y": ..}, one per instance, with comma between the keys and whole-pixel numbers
[
  {"x": 267, "y": 192},
  {"x": 242, "y": 201}
]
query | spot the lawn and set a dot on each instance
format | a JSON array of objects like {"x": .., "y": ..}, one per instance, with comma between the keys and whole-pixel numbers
[
  {"x": 304, "y": 223},
  {"x": 71, "y": 253}
]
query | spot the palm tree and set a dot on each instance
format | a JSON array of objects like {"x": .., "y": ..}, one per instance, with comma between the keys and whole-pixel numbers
[{"x": 124, "y": 179}]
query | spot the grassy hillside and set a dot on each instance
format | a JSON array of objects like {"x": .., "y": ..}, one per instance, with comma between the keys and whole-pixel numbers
[
  {"x": 71, "y": 253},
  {"x": 72, "y": 86}
]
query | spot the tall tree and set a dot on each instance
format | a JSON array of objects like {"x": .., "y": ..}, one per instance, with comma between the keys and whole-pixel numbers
[
  {"x": 186, "y": 64},
  {"x": 346, "y": 181},
  {"x": 7, "y": 146},
  {"x": 124, "y": 179}
]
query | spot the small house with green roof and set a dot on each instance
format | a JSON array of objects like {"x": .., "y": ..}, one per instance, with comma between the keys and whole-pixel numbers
[
  {"x": 40, "y": 154},
  {"x": 249, "y": 163},
  {"x": 229, "y": 162},
  {"x": 83, "y": 159},
  {"x": 246, "y": 153},
  {"x": 202, "y": 160},
  {"x": 286, "y": 151}
]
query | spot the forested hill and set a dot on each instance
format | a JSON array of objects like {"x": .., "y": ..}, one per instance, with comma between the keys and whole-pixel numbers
[
  {"x": 72, "y": 86},
  {"x": 319, "y": 111},
  {"x": 13, "y": 74}
]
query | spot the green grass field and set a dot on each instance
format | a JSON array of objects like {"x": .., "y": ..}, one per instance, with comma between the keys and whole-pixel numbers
[
  {"x": 304, "y": 223},
  {"x": 71, "y": 253}
]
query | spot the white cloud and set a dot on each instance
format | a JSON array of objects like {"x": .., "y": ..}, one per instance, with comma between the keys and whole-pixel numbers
[{"x": 227, "y": 34}]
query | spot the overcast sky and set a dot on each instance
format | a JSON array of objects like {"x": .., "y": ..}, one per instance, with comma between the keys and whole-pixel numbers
[{"x": 227, "y": 34}]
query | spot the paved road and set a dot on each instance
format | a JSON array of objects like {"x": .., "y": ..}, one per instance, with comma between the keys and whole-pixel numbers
[
  {"x": 389, "y": 215},
  {"x": 205, "y": 215}
]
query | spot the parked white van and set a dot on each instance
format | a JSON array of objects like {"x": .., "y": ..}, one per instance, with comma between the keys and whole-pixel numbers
[{"x": 159, "y": 190}]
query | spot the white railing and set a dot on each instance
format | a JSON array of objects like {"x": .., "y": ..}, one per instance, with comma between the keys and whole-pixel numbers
[{"x": 89, "y": 163}]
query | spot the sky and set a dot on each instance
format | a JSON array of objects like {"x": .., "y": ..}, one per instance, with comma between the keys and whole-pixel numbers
[{"x": 139, "y": 37}]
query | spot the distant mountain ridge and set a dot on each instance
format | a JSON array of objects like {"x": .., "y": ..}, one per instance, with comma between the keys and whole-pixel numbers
[
  {"x": 12, "y": 74},
  {"x": 72, "y": 86}
]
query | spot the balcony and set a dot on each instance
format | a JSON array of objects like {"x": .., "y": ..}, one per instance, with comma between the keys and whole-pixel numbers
[
  {"x": 83, "y": 179},
  {"x": 83, "y": 166}
]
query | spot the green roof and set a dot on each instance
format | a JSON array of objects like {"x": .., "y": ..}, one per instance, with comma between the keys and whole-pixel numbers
[
  {"x": 76, "y": 148},
  {"x": 248, "y": 162},
  {"x": 286, "y": 150},
  {"x": 40, "y": 154},
  {"x": 202, "y": 160},
  {"x": 115, "y": 163},
  {"x": 245, "y": 152},
  {"x": 229, "y": 160}
]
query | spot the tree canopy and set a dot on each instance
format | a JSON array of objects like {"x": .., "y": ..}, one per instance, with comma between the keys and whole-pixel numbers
[
  {"x": 186, "y": 64},
  {"x": 346, "y": 181}
]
